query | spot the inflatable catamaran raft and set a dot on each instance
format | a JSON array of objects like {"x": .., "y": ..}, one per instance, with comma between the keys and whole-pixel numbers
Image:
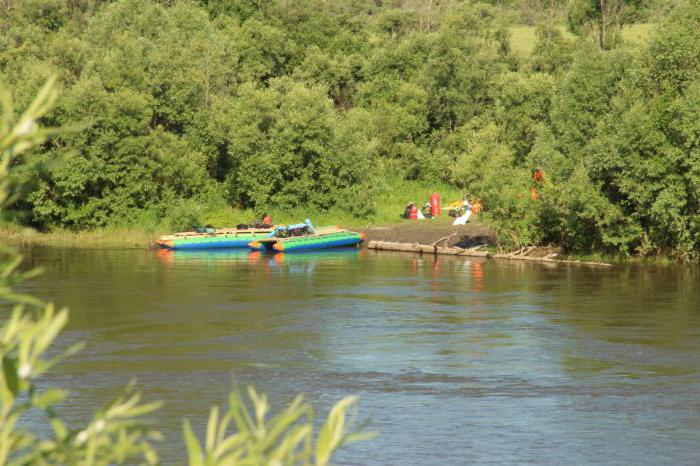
[
  {"x": 304, "y": 237},
  {"x": 213, "y": 239}
]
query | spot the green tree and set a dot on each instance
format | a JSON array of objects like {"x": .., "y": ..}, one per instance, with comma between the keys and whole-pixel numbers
[
  {"x": 285, "y": 150},
  {"x": 673, "y": 58},
  {"x": 552, "y": 52},
  {"x": 521, "y": 103},
  {"x": 603, "y": 19},
  {"x": 459, "y": 70},
  {"x": 584, "y": 96}
]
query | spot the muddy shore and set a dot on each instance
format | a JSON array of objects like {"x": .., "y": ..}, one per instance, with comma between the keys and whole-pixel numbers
[
  {"x": 440, "y": 232},
  {"x": 432, "y": 231}
]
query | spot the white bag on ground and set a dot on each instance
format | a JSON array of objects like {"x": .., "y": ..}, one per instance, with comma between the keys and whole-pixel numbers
[{"x": 463, "y": 219}]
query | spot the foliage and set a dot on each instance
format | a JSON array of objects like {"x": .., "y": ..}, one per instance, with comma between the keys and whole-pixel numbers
[
  {"x": 289, "y": 149},
  {"x": 602, "y": 19},
  {"x": 521, "y": 103},
  {"x": 116, "y": 435},
  {"x": 552, "y": 52},
  {"x": 488, "y": 169},
  {"x": 286, "y": 439}
]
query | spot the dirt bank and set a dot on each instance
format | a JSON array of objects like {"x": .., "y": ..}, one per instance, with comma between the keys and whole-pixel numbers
[
  {"x": 440, "y": 232},
  {"x": 430, "y": 231}
]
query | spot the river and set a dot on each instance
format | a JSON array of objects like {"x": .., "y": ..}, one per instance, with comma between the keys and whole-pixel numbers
[{"x": 455, "y": 361}]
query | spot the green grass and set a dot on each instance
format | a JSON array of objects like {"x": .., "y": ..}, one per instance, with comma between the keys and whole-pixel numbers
[
  {"x": 637, "y": 33},
  {"x": 101, "y": 238},
  {"x": 390, "y": 204},
  {"x": 522, "y": 38}
]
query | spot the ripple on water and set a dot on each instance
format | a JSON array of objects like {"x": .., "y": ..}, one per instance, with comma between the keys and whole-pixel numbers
[{"x": 456, "y": 361}]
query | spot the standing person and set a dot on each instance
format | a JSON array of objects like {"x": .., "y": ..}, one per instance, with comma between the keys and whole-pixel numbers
[
  {"x": 477, "y": 207},
  {"x": 537, "y": 181}
]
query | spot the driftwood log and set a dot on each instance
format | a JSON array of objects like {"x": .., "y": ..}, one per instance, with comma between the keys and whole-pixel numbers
[
  {"x": 520, "y": 255},
  {"x": 425, "y": 248},
  {"x": 444, "y": 238}
]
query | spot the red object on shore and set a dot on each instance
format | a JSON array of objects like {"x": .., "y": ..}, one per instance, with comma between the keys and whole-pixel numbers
[
  {"x": 413, "y": 212},
  {"x": 435, "y": 204},
  {"x": 538, "y": 176}
]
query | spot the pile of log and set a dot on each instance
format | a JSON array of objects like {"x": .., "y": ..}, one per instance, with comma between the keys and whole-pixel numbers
[{"x": 473, "y": 252}]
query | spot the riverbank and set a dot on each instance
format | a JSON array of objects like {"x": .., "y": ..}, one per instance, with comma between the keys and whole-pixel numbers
[
  {"x": 437, "y": 231},
  {"x": 143, "y": 229},
  {"x": 101, "y": 238},
  {"x": 423, "y": 232},
  {"x": 439, "y": 236},
  {"x": 434, "y": 232},
  {"x": 440, "y": 232}
]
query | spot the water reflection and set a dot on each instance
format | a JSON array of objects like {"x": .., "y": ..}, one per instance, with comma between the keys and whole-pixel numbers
[
  {"x": 237, "y": 256},
  {"x": 456, "y": 360}
]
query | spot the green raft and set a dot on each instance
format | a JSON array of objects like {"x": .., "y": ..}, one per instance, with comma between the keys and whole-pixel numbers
[{"x": 322, "y": 239}]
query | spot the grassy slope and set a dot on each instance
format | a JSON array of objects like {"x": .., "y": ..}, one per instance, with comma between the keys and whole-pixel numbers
[
  {"x": 636, "y": 33},
  {"x": 522, "y": 38},
  {"x": 389, "y": 206},
  {"x": 102, "y": 238}
]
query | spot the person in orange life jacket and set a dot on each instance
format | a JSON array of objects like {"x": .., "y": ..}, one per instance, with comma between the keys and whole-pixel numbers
[
  {"x": 537, "y": 180},
  {"x": 477, "y": 207}
]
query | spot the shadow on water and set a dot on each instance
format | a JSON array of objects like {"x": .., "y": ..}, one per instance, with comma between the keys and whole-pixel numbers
[{"x": 456, "y": 360}]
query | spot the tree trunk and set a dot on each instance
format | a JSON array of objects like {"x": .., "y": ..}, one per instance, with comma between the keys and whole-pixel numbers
[
  {"x": 427, "y": 22},
  {"x": 551, "y": 12},
  {"x": 6, "y": 7},
  {"x": 610, "y": 20},
  {"x": 601, "y": 29},
  {"x": 207, "y": 79}
]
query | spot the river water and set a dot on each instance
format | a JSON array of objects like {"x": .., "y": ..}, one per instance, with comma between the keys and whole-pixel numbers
[{"x": 456, "y": 361}]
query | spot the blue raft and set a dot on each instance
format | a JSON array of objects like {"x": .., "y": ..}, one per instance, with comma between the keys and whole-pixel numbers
[{"x": 229, "y": 238}]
